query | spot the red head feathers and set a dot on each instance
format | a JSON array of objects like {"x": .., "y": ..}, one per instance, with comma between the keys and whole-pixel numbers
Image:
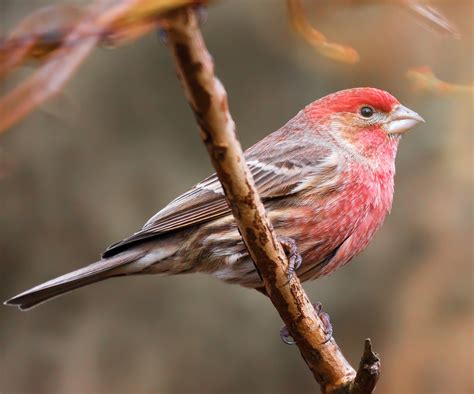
[{"x": 351, "y": 100}]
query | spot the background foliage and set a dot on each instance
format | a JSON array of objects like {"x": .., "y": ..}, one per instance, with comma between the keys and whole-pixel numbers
[{"x": 93, "y": 165}]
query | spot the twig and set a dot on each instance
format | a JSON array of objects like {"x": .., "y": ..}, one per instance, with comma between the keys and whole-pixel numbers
[
  {"x": 208, "y": 100},
  {"x": 368, "y": 373}
]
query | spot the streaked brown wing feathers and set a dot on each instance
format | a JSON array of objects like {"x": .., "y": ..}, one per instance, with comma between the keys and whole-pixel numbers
[{"x": 274, "y": 177}]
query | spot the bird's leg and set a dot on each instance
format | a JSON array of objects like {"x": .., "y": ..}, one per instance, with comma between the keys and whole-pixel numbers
[
  {"x": 291, "y": 251},
  {"x": 318, "y": 308}
]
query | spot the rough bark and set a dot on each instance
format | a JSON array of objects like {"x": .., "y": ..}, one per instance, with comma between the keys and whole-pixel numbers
[{"x": 208, "y": 100}]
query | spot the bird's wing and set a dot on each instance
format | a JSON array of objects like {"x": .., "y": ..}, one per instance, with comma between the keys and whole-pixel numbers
[{"x": 274, "y": 175}]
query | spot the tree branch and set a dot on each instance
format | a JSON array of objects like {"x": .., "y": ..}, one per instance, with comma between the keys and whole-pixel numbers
[
  {"x": 208, "y": 100},
  {"x": 368, "y": 373}
]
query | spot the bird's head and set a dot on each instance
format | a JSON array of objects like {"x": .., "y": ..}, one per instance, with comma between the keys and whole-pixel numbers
[{"x": 366, "y": 119}]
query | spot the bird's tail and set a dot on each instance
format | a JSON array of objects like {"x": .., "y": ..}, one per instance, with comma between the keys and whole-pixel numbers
[{"x": 93, "y": 273}]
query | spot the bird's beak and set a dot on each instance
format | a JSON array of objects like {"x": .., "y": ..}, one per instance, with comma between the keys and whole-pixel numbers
[{"x": 402, "y": 119}]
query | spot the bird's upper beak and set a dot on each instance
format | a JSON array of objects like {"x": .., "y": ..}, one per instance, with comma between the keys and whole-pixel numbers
[{"x": 402, "y": 119}]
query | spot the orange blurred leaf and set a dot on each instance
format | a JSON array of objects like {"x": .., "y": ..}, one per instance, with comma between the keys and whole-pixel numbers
[
  {"x": 301, "y": 24},
  {"x": 424, "y": 79}
]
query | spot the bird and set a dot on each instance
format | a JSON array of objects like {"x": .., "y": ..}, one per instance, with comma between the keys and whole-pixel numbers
[{"x": 326, "y": 179}]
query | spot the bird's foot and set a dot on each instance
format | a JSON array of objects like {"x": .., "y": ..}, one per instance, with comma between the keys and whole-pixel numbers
[
  {"x": 318, "y": 308},
  {"x": 291, "y": 251},
  {"x": 326, "y": 320}
]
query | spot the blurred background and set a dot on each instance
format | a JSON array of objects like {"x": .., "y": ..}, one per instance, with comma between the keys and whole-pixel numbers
[{"x": 90, "y": 167}]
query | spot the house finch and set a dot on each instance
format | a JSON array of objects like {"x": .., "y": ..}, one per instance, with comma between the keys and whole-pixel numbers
[{"x": 326, "y": 179}]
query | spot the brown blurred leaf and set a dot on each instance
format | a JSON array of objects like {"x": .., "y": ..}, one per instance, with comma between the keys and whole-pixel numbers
[
  {"x": 62, "y": 37},
  {"x": 38, "y": 35}
]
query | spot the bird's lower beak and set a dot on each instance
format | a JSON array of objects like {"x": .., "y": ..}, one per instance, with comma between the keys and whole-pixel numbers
[{"x": 402, "y": 119}]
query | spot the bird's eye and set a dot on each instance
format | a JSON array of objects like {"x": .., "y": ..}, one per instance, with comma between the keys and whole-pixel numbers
[{"x": 366, "y": 111}]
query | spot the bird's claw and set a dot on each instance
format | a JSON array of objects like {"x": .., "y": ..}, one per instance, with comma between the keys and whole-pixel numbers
[
  {"x": 318, "y": 308},
  {"x": 286, "y": 336},
  {"x": 291, "y": 251},
  {"x": 325, "y": 319}
]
